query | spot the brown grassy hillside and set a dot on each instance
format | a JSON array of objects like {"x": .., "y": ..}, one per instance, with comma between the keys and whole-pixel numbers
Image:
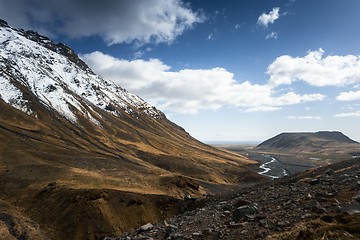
[
  {"x": 82, "y": 158},
  {"x": 124, "y": 155}
]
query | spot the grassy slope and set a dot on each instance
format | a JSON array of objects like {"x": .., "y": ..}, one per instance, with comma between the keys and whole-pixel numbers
[{"x": 122, "y": 157}]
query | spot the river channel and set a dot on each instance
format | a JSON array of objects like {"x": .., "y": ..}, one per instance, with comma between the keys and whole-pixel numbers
[{"x": 272, "y": 168}]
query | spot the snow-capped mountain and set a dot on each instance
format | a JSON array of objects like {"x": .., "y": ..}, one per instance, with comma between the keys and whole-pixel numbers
[
  {"x": 58, "y": 78},
  {"x": 82, "y": 158}
]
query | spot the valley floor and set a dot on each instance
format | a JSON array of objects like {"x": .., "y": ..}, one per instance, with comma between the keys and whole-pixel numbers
[{"x": 317, "y": 204}]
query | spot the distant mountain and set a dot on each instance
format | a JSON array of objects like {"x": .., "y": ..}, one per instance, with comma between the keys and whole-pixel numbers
[
  {"x": 83, "y": 157},
  {"x": 324, "y": 142}
]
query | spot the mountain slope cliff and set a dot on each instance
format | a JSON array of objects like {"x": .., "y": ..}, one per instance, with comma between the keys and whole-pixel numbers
[{"x": 72, "y": 144}]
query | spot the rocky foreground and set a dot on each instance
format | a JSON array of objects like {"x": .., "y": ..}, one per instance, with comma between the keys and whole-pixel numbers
[{"x": 318, "y": 204}]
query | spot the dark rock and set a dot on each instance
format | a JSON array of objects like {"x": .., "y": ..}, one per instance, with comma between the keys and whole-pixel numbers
[
  {"x": 356, "y": 186},
  {"x": 51, "y": 88},
  {"x": 168, "y": 232},
  {"x": 227, "y": 207},
  {"x": 263, "y": 222},
  {"x": 240, "y": 203},
  {"x": 52, "y": 185},
  {"x": 177, "y": 236},
  {"x": 3, "y": 23},
  {"x": 322, "y": 196},
  {"x": 244, "y": 212},
  {"x": 327, "y": 218},
  {"x": 110, "y": 107},
  {"x": 329, "y": 172},
  {"x": 170, "y": 229},
  {"x": 234, "y": 225},
  {"x": 351, "y": 208},
  {"x": 283, "y": 224},
  {"x": 357, "y": 198},
  {"x": 314, "y": 181},
  {"x": 318, "y": 209}
]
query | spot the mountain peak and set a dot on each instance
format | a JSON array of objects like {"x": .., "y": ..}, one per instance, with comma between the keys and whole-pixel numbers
[
  {"x": 63, "y": 81},
  {"x": 60, "y": 48},
  {"x": 3, "y": 23}
]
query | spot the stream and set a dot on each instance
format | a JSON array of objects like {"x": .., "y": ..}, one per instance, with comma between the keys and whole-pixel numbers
[{"x": 273, "y": 168}]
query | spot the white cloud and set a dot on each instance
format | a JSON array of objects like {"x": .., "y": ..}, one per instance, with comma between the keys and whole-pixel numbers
[
  {"x": 262, "y": 109},
  {"x": 190, "y": 90},
  {"x": 136, "y": 74},
  {"x": 349, "y": 96},
  {"x": 292, "y": 98},
  {"x": 350, "y": 114},
  {"x": 116, "y": 21},
  {"x": 273, "y": 35},
  {"x": 304, "y": 117},
  {"x": 266, "y": 18},
  {"x": 315, "y": 69}
]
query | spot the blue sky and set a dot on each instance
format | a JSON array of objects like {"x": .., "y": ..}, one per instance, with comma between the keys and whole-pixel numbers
[{"x": 223, "y": 70}]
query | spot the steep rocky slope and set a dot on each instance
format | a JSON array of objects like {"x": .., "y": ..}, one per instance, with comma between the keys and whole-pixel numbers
[
  {"x": 323, "y": 142},
  {"x": 78, "y": 153},
  {"x": 319, "y": 204}
]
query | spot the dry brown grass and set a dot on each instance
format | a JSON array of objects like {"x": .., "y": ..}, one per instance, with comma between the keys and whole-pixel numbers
[
  {"x": 124, "y": 156},
  {"x": 346, "y": 227}
]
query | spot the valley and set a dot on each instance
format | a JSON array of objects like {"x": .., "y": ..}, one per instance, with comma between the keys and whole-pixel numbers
[
  {"x": 83, "y": 158},
  {"x": 322, "y": 203}
]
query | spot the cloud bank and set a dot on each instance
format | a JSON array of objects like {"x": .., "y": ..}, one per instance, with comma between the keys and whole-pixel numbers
[
  {"x": 116, "y": 21},
  {"x": 315, "y": 70},
  {"x": 350, "y": 114},
  {"x": 349, "y": 96},
  {"x": 191, "y": 90},
  {"x": 266, "y": 18},
  {"x": 304, "y": 117}
]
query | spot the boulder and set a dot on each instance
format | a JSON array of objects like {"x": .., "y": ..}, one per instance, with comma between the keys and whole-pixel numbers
[{"x": 246, "y": 212}]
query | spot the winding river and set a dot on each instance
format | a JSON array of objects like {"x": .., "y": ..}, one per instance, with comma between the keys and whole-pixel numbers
[{"x": 273, "y": 168}]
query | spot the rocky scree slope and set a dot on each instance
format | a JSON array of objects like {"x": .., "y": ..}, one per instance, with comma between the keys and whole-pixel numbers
[
  {"x": 322, "y": 203},
  {"x": 78, "y": 153}
]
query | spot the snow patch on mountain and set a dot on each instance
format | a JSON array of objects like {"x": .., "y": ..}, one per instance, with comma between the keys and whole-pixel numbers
[
  {"x": 57, "y": 81},
  {"x": 13, "y": 96}
]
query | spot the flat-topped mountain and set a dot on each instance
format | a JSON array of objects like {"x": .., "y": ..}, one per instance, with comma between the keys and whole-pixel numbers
[
  {"x": 82, "y": 157},
  {"x": 324, "y": 142}
]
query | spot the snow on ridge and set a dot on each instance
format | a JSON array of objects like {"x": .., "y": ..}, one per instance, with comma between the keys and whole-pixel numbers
[
  {"x": 57, "y": 82},
  {"x": 13, "y": 96}
]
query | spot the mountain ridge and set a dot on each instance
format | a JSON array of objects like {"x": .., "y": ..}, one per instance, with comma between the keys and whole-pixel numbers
[
  {"x": 58, "y": 77},
  {"x": 65, "y": 131},
  {"x": 321, "y": 142}
]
